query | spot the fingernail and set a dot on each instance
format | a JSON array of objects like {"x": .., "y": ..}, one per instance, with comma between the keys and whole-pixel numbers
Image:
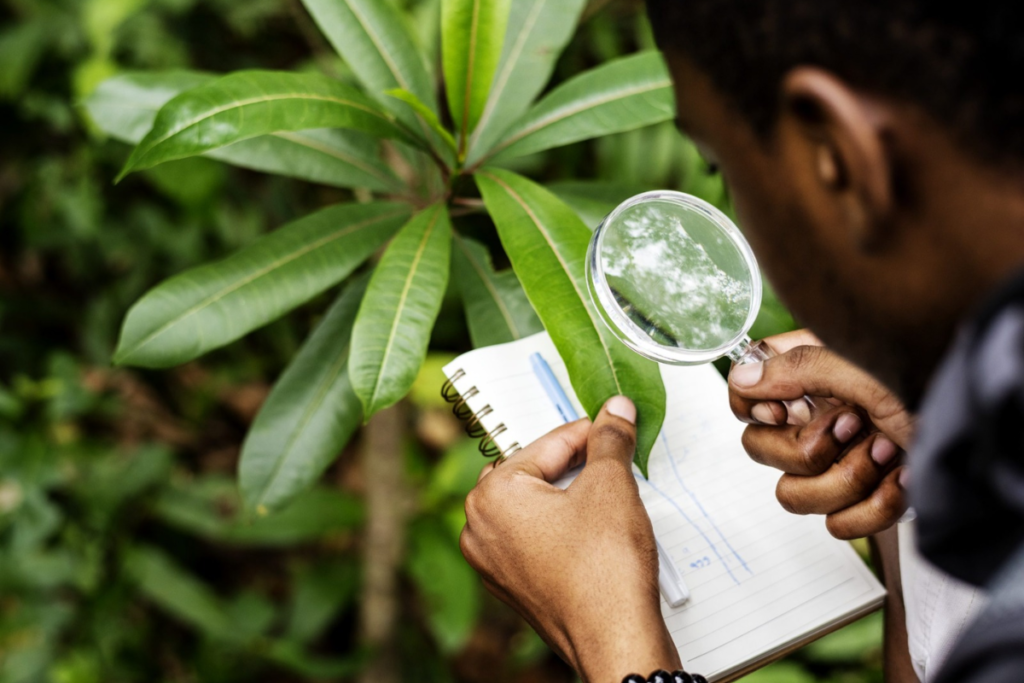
[
  {"x": 883, "y": 450},
  {"x": 798, "y": 412},
  {"x": 746, "y": 375},
  {"x": 762, "y": 412},
  {"x": 846, "y": 427},
  {"x": 620, "y": 406},
  {"x": 904, "y": 478}
]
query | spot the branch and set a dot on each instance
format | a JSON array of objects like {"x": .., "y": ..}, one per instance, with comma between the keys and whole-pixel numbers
[{"x": 385, "y": 538}]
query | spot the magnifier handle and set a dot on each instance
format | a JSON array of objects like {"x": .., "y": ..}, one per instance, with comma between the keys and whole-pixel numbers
[{"x": 800, "y": 410}]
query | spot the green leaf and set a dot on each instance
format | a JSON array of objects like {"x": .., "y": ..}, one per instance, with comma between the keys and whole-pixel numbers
[
  {"x": 126, "y": 105},
  {"x": 248, "y": 104},
  {"x": 22, "y": 44},
  {"x": 497, "y": 309},
  {"x": 786, "y": 671},
  {"x": 308, "y": 417},
  {"x": 292, "y": 656},
  {"x": 214, "y": 304},
  {"x": 428, "y": 116},
  {"x": 593, "y": 200},
  {"x": 773, "y": 318},
  {"x": 852, "y": 643},
  {"x": 251, "y": 615},
  {"x": 311, "y": 516},
  {"x": 341, "y": 158},
  {"x": 392, "y": 330},
  {"x": 209, "y": 507},
  {"x": 618, "y": 96},
  {"x": 171, "y": 587},
  {"x": 454, "y": 475},
  {"x": 319, "y": 592},
  {"x": 446, "y": 583},
  {"x": 547, "y": 244},
  {"x": 371, "y": 38},
  {"x": 538, "y": 31},
  {"x": 472, "y": 34}
]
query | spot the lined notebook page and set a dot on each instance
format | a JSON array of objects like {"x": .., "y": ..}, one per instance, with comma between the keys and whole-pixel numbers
[{"x": 760, "y": 579}]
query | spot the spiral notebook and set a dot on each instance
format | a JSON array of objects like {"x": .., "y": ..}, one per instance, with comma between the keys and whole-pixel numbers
[{"x": 762, "y": 582}]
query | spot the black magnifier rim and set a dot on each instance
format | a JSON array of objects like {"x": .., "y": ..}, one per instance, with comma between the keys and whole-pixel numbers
[{"x": 625, "y": 329}]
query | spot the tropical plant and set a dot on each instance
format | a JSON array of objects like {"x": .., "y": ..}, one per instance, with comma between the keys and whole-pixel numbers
[{"x": 412, "y": 161}]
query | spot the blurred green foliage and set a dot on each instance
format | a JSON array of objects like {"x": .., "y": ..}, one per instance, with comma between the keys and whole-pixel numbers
[{"x": 124, "y": 551}]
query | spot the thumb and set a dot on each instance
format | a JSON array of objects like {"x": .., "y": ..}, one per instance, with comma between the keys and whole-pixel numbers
[
  {"x": 613, "y": 436},
  {"x": 552, "y": 455},
  {"x": 804, "y": 370},
  {"x": 808, "y": 370}
]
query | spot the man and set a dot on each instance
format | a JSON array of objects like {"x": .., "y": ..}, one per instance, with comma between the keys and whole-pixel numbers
[{"x": 874, "y": 153}]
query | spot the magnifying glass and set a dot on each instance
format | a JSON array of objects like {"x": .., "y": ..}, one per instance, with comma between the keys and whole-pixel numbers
[{"x": 676, "y": 281}]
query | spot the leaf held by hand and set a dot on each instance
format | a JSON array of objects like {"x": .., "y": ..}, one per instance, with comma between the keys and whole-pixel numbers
[{"x": 547, "y": 244}]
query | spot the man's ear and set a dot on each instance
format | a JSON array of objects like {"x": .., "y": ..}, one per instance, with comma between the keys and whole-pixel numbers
[{"x": 845, "y": 134}]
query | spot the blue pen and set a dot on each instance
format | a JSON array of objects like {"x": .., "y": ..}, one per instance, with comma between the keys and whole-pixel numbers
[
  {"x": 553, "y": 388},
  {"x": 673, "y": 588}
]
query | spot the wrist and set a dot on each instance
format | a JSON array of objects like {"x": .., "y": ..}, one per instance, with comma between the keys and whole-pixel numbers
[{"x": 631, "y": 641}]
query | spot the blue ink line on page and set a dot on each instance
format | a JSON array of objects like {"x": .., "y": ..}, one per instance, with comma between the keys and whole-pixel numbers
[
  {"x": 700, "y": 531},
  {"x": 675, "y": 471}
]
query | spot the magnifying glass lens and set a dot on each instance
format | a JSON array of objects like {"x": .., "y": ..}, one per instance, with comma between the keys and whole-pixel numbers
[{"x": 674, "y": 278}]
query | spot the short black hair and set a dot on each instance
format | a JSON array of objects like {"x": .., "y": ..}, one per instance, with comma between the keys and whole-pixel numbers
[{"x": 963, "y": 63}]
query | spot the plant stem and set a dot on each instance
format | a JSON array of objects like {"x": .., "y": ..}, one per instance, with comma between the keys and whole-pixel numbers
[{"x": 385, "y": 532}]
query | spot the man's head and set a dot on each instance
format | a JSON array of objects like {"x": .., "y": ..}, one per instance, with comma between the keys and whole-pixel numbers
[{"x": 875, "y": 154}]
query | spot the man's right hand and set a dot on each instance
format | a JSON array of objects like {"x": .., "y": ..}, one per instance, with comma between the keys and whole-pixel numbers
[{"x": 831, "y": 464}]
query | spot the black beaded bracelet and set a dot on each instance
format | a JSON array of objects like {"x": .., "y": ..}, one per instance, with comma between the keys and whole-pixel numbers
[{"x": 662, "y": 676}]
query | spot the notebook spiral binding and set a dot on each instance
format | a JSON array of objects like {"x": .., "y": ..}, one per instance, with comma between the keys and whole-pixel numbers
[{"x": 489, "y": 448}]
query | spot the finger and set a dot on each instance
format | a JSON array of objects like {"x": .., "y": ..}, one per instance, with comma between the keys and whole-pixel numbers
[
  {"x": 844, "y": 484},
  {"x": 487, "y": 469},
  {"x": 804, "y": 450},
  {"x": 768, "y": 413},
  {"x": 613, "y": 436},
  {"x": 773, "y": 412},
  {"x": 781, "y": 343},
  {"x": 552, "y": 455},
  {"x": 807, "y": 370},
  {"x": 876, "y": 513}
]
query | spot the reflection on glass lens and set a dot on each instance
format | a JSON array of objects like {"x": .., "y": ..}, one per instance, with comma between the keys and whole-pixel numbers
[{"x": 676, "y": 275}]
